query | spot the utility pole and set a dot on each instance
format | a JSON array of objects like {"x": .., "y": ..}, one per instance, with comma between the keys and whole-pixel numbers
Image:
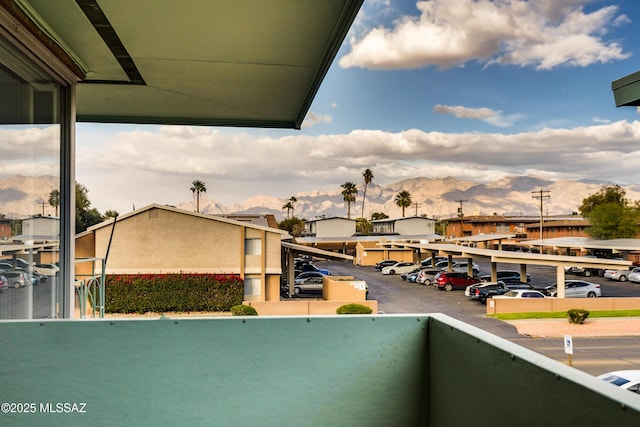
[
  {"x": 461, "y": 215},
  {"x": 416, "y": 204},
  {"x": 541, "y": 195}
]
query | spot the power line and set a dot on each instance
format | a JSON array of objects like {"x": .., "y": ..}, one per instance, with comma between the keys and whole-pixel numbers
[
  {"x": 541, "y": 195},
  {"x": 461, "y": 215}
]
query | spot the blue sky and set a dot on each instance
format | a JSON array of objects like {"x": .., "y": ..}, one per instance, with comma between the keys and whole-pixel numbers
[{"x": 473, "y": 89}]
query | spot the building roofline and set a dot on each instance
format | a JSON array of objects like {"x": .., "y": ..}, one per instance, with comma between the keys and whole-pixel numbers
[{"x": 185, "y": 212}]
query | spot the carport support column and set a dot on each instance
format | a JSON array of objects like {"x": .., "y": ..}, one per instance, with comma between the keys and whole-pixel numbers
[
  {"x": 560, "y": 280},
  {"x": 494, "y": 271},
  {"x": 291, "y": 271},
  {"x": 523, "y": 272}
]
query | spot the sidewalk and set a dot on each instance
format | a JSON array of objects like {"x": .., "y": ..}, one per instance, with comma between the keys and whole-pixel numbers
[{"x": 596, "y": 327}]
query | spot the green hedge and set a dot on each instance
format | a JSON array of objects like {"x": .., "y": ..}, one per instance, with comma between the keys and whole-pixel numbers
[
  {"x": 161, "y": 293},
  {"x": 354, "y": 309},
  {"x": 243, "y": 310}
]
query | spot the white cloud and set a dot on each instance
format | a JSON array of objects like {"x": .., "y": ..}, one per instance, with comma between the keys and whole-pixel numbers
[
  {"x": 313, "y": 119},
  {"x": 146, "y": 165},
  {"x": 493, "y": 117},
  {"x": 447, "y": 33}
]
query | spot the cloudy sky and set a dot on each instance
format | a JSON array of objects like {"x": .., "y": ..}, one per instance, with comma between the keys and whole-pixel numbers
[{"x": 473, "y": 89}]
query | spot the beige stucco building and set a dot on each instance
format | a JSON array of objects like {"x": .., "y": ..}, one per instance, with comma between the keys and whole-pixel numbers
[
  {"x": 162, "y": 239},
  {"x": 330, "y": 227}
]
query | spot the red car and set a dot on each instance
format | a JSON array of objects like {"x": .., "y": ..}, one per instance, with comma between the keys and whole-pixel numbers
[{"x": 450, "y": 280}]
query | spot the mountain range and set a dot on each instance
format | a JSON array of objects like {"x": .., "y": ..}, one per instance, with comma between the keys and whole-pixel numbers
[
  {"x": 21, "y": 196},
  {"x": 435, "y": 198}
]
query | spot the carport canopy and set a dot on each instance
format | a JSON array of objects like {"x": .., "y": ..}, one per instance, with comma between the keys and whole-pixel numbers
[
  {"x": 521, "y": 258},
  {"x": 292, "y": 249}
]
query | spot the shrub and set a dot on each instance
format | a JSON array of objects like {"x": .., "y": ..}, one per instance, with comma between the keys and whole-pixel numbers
[
  {"x": 354, "y": 309},
  {"x": 577, "y": 315},
  {"x": 243, "y": 310},
  {"x": 160, "y": 293}
]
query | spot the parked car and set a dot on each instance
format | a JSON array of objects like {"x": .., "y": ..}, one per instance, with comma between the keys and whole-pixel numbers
[
  {"x": 386, "y": 263},
  {"x": 46, "y": 269},
  {"x": 4, "y": 283},
  {"x": 504, "y": 275},
  {"x": 427, "y": 261},
  {"x": 634, "y": 277},
  {"x": 626, "y": 380},
  {"x": 619, "y": 275},
  {"x": 521, "y": 293},
  {"x": 517, "y": 284},
  {"x": 463, "y": 267},
  {"x": 308, "y": 266},
  {"x": 450, "y": 280},
  {"x": 310, "y": 284},
  {"x": 484, "y": 290},
  {"x": 306, "y": 274},
  {"x": 16, "y": 278},
  {"x": 426, "y": 275},
  {"x": 412, "y": 276},
  {"x": 575, "y": 289},
  {"x": 399, "y": 268}
]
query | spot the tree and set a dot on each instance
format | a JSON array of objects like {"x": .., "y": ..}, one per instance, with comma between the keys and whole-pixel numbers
[
  {"x": 610, "y": 214},
  {"x": 378, "y": 215},
  {"x": 111, "y": 214},
  {"x": 363, "y": 226},
  {"x": 85, "y": 215},
  {"x": 294, "y": 226},
  {"x": 368, "y": 177},
  {"x": 612, "y": 193},
  {"x": 54, "y": 200},
  {"x": 403, "y": 199},
  {"x": 349, "y": 191},
  {"x": 198, "y": 187},
  {"x": 288, "y": 206}
]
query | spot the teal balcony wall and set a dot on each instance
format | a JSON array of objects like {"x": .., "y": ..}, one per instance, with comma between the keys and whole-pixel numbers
[{"x": 409, "y": 370}]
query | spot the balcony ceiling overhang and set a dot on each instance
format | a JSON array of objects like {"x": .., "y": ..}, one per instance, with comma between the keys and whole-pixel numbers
[
  {"x": 256, "y": 63},
  {"x": 626, "y": 91}
]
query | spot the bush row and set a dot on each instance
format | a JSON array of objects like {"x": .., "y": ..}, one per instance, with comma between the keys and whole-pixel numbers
[{"x": 160, "y": 293}]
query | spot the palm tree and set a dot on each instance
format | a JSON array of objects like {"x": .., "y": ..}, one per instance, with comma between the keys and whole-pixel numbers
[
  {"x": 54, "y": 199},
  {"x": 368, "y": 177},
  {"x": 292, "y": 200},
  {"x": 349, "y": 194},
  {"x": 288, "y": 206},
  {"x": 403, "y": 199},
  {"x": 197, "y": 188}
]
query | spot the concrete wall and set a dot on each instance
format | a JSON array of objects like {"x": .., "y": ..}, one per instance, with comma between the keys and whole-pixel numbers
[
  {"x": 305, "y": 307},
  {"x": 343, "y": 288},
  {"x": 415, "y": 226},
  {"x": 335, "y": 227},
  {"x": 524, "y": 305},
  {"x": 368, "y": 256},
  {"x": 354, "y": 371}
]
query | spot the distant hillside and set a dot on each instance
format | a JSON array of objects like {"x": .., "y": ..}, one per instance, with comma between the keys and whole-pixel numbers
[
  {"x": 21, "y": 196},
  {"x": 437, "y": 198}
]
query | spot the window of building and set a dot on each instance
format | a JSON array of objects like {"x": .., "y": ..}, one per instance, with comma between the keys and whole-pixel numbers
[
  {"x": 34, "y": 128},
  {"x": 253, "y": 246}
]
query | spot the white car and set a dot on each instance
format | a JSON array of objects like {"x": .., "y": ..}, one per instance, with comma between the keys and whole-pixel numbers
[
  {"x": 634, "y": 277},
  {"x": 521, "y": 293},
  {"x": 400, "y": 267},
  {"x": 626, "y": 380},
  {"x": 620, "y": 275},
  {"x": 46, "y": 269},
  {"x": 576, "y": 289}
]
